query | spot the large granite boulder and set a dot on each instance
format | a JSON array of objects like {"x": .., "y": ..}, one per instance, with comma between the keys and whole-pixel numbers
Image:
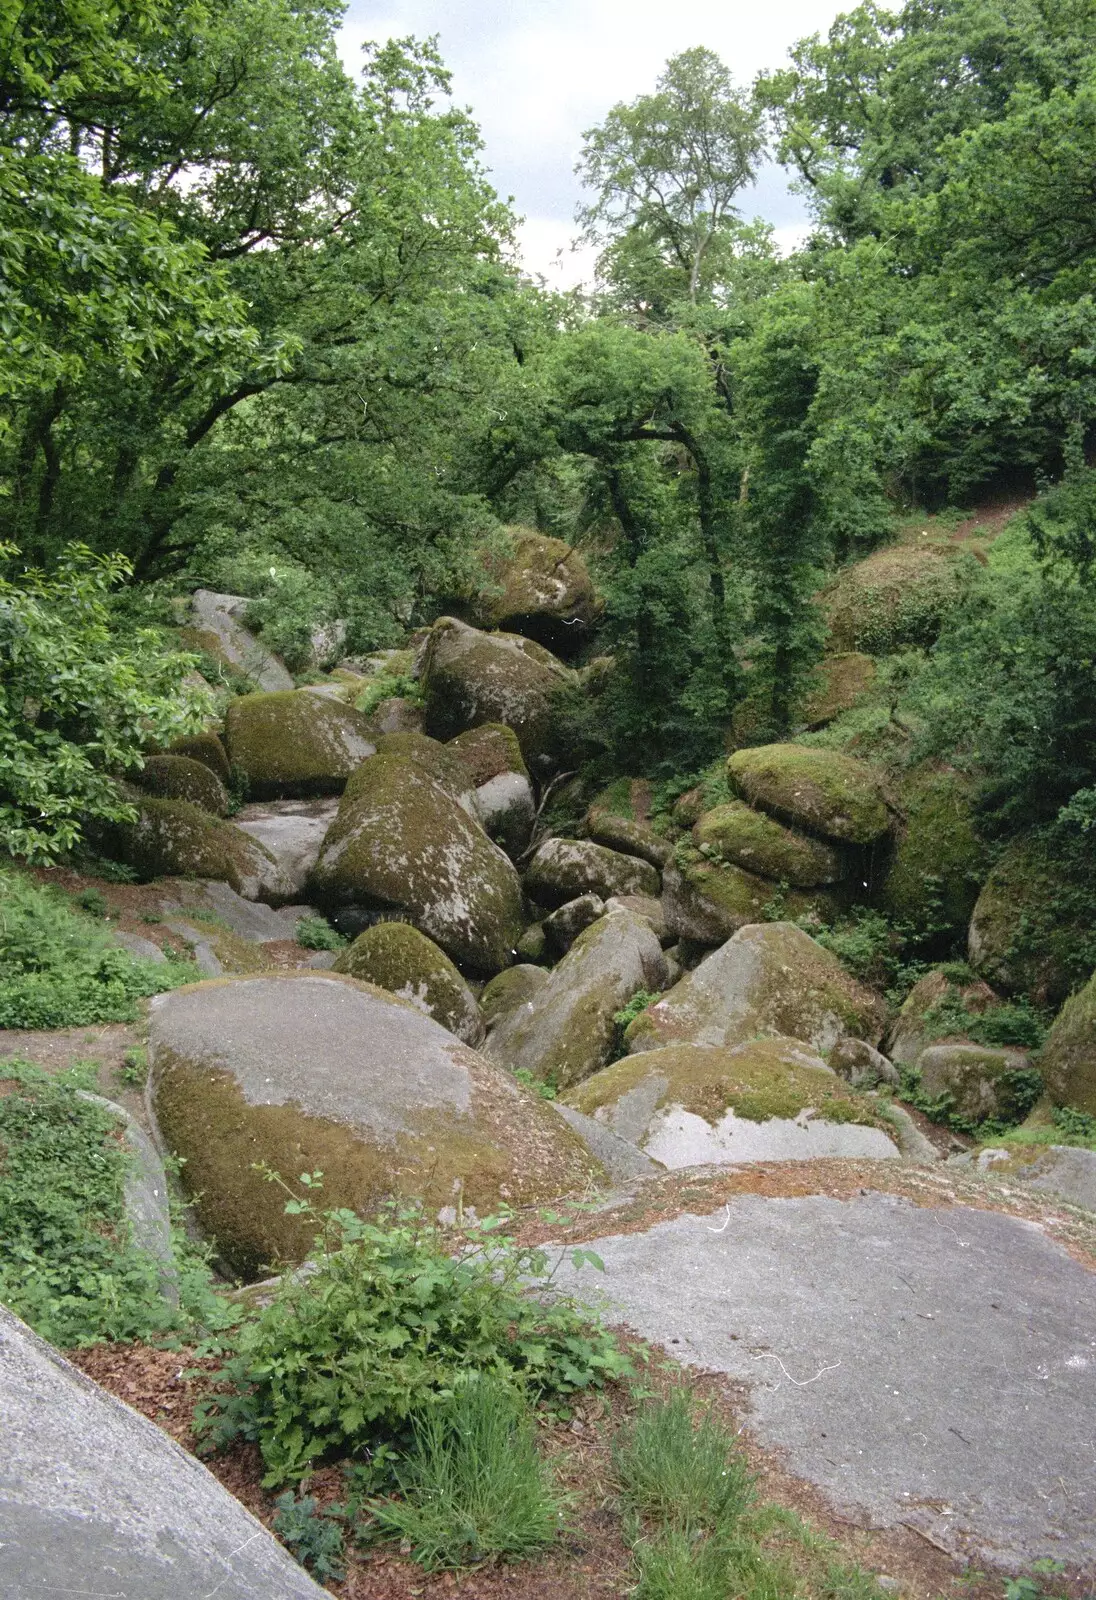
[
  {"x": 973, "y": 1082},
  {"x": 216, "y": 627},
  {"x": 568, "y": 1029},
  {"x": 563, "y": 869},
  {"x": 182, "y": 778},
  {"x": 438, "y": 760},
  {"x": 539, "y": 587},
  {"x": 935, "y": 1009},
  {"x": 174, "y": 839},
  {"x": 323, "y": 1073},
  {"x": 1068, "y": 1061},
  {"x": 1033, "y": 929},
  {"x": 504, "y": 799},
  {"x": 488, "y": 751},
  {"x": 511, "y": 989},
  {"x": 206, "y": 748},
  {"x": 295, "y": 745},
  {"x": 770, "y": 978},
  {"x": 767, "y": 1100},
  {"x": 937, "y": 863},
  {"x": 469, "y": 678},
  {"x": 397, "y": 957},
  {"x": 821, "y": 791},
  {"x": 97, "y": 1500},
  {"x": 618, "y": 818},
  {"x": 705, "y": 901},
  {"x": 735, "y": 832},
  {"x": 839, "y": 682},
  {"x": 292, "y": 831},
  {"x": 401, "y": 844}
]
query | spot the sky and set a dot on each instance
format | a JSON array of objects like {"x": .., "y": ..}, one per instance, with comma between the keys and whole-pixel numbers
[{"x": 536, "y": 73}]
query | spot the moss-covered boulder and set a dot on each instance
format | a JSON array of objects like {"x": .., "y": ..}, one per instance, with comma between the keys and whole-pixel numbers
[
  {"x": 323, "y": 1073},
  {"x": 469, "y": 678},
  {"x": 1068, "y": 1061},
  {"x": 770, "y": 978},
  {"x": 507, "y": 809},
  {"x": 181, "y": 778},
  {"x": 563, "y": 926},
  {"x": 938, "y": 863},
  {"x": 895, "y": 598},
  {"x": 820, "y": 791},
  {"x": 563, "y": 869},
  {"x": 510, "y": 990},
  {"x": 1033, "y": 929},
  {"x": 292, "y": 745},
  {"x": 748, "y": 838},
  {"x": 939, "y": 1006},
  {"x": 397, "y": 957},
  {"x": 769, "y": 1099},
  {"x": 706, "y": 901},
  {"x": 175, "y": 839},
  {"x": 972, "y": 1083},
  {"x": 206, "y": 748},
  {"x": 533, "y": 945},
  {"x": 839, "y": 682},
  {"x": 568, "y": 1029},
  {"x": 396, "y": 713},
  {"x": 539, "y": 587},
  {"x": 488, "y": 751},
  {"x": 612, "y": 822},
  {"x": 436, "y": 759},
  {"x": 401, "y": 844}
]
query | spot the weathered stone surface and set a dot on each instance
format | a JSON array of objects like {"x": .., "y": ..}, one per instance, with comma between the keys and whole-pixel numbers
[
  {"x": 563, "y": 869},
  {"x": 218, "y": 630},
  {"x": 706, "y": 901},
  {"x": 489, "y": 751},
  {"x": 768, "y": 1100},
  {"x": 747, "y": 838},
  {"x": 977, "y": 1080},
  {"x": 247, "y": 919},
  {"x": 146, "y": 1194},
  {"x": 937, "y": 863},
  {"x": 647, "y": 907},
  {"x": 1031, "y": 930},
  {"x": 840, "y": 681},
  {"x": 438, "y": 760},
  {"x": 397, "y": 957},
  {"x": 623, "y": 1161},
  {"x": 567, "y": 1030},
  {"x": 862, "y": 1065},
  {"x": 515, "y": 987},
  {"x": 292, "y": 831},
  {"x": 821, "y": 791},
  {"x": 311, "y": 1072},
  {"x": 770, "y": 978},
  {"x": 532, "y": 946},
  {"x": 507, "y": 810},
  {"x": 401, "y": 843},
  {"x": 921, "y": 1020},
  {"x": 172, "y": 838},
  {"x": 1068, "y": 1061},
  {"x": 182, "y": 778},
  {"x": 469, "y": 678},
  {"x": 96, "y": 1500},
  {"x": 396, "y": 714},
  {"x": 541, "y": 588},
  {"x": 293, "y": 746},
  {"x": 206, "y": 748},
  {"x": 137, "y": 945},
  {"x": 628, "y": 835},
  {"x": 563, "y": 926},
  {"x": 1064, "y": 1171}
]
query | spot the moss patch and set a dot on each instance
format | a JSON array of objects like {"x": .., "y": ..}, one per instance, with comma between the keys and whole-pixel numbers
[
  {"x": 172, "y": 838},
  {"x": 399, "y": 958},
  {"x": 1033, "y": 930},
  {"x": 840, "y": 681},
  {"x": 441, "y": 762},
  {"x": 487, "y": 751},
  {"x": 292, "y": 744},
  {"x": 896, "y": 598},
  {"x": 938, "y": 863},
  {"x": 182, "y": 778},
  {"x": 819, "y": 790},
  {"x": 1068, "y": 1061},
  {"x": 747, "y": 838},
  {"x": 206, "y": 748},
  {"x": 470, "y": 678}
]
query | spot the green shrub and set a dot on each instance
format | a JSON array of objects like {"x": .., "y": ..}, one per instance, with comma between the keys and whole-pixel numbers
[
  {"x": 1014, "y": 1023},
  {"x": 386, "y": 1323},
  {"x": 312, "y": 1536},
  {"x": 316, "y": 933},
  {"x": 624, "y": 1018},
  {"x": 473, "y": 1485},
  {"x": 389, "y": 686},
  {"x": 58, "y": 969}
]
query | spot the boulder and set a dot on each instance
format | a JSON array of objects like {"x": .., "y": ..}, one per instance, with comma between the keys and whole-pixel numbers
[
  {"x": 511, "y": 989},
  {"x": 1068, "y": 1061},
  {"x": 935, "y": 1009},
  {"x": 839, "y": 682},
  {"x": 767, "y": 1100},
  {"x": 216, "y": 628},
  {"x": 396, "y": 714},
  {"x": 689, "y": 808},
  {"x": 1032, "y": 929},
  {"x": 507, "y": 810},
  {"x": 568, "y": 1030},
  {"x": 401, "y": 844},
  {"x": 97, "y": 1500},
  {"x": 292, "y": 831},
  {"x": 618, "y": 819},
  {"x": 937, "y": 863},
  {"x": 146, "y": 1194},
  {"x": 862, "y": 1065},
  {"x": 174, "y": 839},
  {"x": 706, "y": 901},
  {"x": 292, "y": 746},
  {"x": 770, "y": 978},
  {"x": 647, "y": 907},
  {"x": 469, "y": 678},
  {"x": 562, "y": 869},
  {"x": 181, "y": 778},
  {"x": 895, "y": 598},
  {"x": 315, "y": 1072},
  {"x": 539, "y": 587},
  {"x": 977, "y": 1083},
  {"x": 436, "y": 759},
  {"x": 206, "y": 748},
  {"x": 747, "y": 838},
  {"x": 489, "y": 751},
  {"x": 532, "y": 946},
  {"x": 397, "y": 957},
  {"x": 820, "y": 791},
  {"x": 564, "y": 925}
]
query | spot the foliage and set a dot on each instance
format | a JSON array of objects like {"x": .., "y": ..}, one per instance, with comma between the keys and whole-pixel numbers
[
  {"x": 77, "y": 703},
  {"x": 472, "y": 1484},
  {"x": 1012, "y": 1023},
  {"x": 313, "y": 1537},
  {"x": 58, "y": 969},
  {"x": 681, "y": 1470},
  {"x": 385, "y": 1323},
  {"x": 389, "y": 686},
  {"x": 1018, "y": 1089},
  {"x": 316, "y": 933},
  {"x": 623, "y": 1018}
]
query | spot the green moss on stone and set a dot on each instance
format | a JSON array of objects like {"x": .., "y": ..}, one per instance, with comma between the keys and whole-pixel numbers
[
  {"x": 470, "y": 678},
  {"x": 840, "y": 681},
  {"x": 748, "y": 838},
  {"x": 397, "y": 957},
  {"x": 207, "y": 748},
  {"x": 895, "y": 598},
  {"x": 1068, "y": 1061},
  {"x": 1033, "y": 929},
  {"x": 173, "y": 838},
  {"x": 487, "y": 751},
  {"x": 292, "y": 744},
  {"x": 439, "y": 760},
  {"x": 181, "y": 778},
  {"x": 938, "y": 862},
  {"x": 819, "y": 790}
]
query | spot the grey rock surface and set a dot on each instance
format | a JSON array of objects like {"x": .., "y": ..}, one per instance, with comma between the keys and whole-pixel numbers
[
  {"x": 862, "y": 1065},
  {"x": 220, "y": 614},
  {"x": 138, "y": 945},
  {"x": 202, "y": 953},
  {"x": 623, "y": 1162},
  {"x": 507, "y": 810},
  {"x": 293, "y": 831},
  {"x": 146, "y": 1191},
  {"x": 563, "y": 869},
  {"x": 95, "y": 1500},
  {"x": 563, "y": 926},
  {"x": 1067, "y": 1172},
  {"x": 933, "y": 1368},
  {"x": 249, "y": 919}
]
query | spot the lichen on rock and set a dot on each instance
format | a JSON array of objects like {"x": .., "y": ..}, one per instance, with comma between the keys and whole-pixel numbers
[
  {"x": 177, "y": 777},
  {"x": 397, "y": 957},
  {"x": 173, "y": 838},
  {"x": 292, "y": 744}
]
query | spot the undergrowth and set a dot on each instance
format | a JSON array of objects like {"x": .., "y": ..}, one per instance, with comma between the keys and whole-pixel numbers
[{"x": 316, "y": 933}]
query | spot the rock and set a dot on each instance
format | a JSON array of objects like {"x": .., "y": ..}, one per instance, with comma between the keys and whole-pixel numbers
[
  {"x": 206, "y": 748},
  {"x": 95, "y": 1499},
  {"x": 292, "y": 831},
  {"x": 507, "y": 810},
  {"x": 623, "y": 1162},
  {"x": 895, "y": 598},
  {"x": 564, "y": 925},
  {"x": 532, "y": 946},
  {"x": 146, "y": 1193},
  {"x": 938, "y": 863},
  {"x": 137, "y": 945},
  {"x": 489, "y": 751},
  {"x": 768, "y": 1100},
  {"x": 437, "y": 760},
  {"x": 326, "y": 644},
  {"x": 647, "y": 907},
  {"x": 1064, "y": 1171},
  {"x": 397, "y": 957},
  {"x": 862, "y": 1065},
  {"x": 201, "y": 947},
  {"x": 316, "y": 1072},
  {"x": 172, "y": 838},
  {"x": 1031, "y": 931},
  {"x": 840, "y": 681},
  {"x": 934, "y": 1010},
  {"x": 249, "y": 920},
  {"x": 614, "y": 820},
  {"x": 689, "y": 808},
  {"x": 1068, "y": 1060},
  {"x": 541, "y": 588},
  {"x": 979, "y": 1082},
  {"x": 217, "y": 629},
  {"x": 562, "y": 869},
  {"x": 181, "y": 778},
  {"x": 748, "y": 838},
  {"x": 396, "y": 714},
  {"x": 568, "y": 1029},
  {"x": 293, "y": 746},
  {"x": 469, "y": 678},
  {"x": 706, "y": 901},
  {"x": 821, "y": 791},
  {"x": 401, "y": 844},
  {"x": 770, "y": 978},
  {"x": 511, "y": 989}
]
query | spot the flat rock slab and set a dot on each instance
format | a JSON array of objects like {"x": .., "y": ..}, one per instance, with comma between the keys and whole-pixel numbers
[
  {"x": 928, "y": 1367},
  {"x": 248, "y": 919},
  {"x": 96, "y": 1500}
]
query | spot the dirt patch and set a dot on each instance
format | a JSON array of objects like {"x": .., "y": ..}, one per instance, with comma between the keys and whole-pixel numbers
[
  {"x": 106, "y": 1044},
  {"x": 990, "y": 519}
]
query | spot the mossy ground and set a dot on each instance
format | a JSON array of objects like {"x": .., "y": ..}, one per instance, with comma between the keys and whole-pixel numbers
[
  {"x": 737, "y": 833},
  {"x": 895, "y": 598}
]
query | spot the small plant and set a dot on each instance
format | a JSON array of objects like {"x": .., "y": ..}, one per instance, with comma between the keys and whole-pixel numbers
[
  {"x": 670, "y": 1565},
  {"x": 92, "y": 901},
  {"x": 1075, "y": 1127},
  {"x": 134, "y": 1068},
  {"x": 151, "y": 917},
  {"x": 681, "y": 1471},
  {"x": 389, "y": 686},
  {"x": 237, "y": 788},
  {"x": 546, "y": 1088},
  {"x": 473, "y": 1485},
  {"x": 313, "y": 1537},
  {"x": 623, "y": 1019},
  {"x": 316, "y": 933}
]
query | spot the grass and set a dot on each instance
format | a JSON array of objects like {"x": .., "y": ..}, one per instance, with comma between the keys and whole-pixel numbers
[
  {"x": 682, "y": 1471},
  {"x": 316, "y": 933}
]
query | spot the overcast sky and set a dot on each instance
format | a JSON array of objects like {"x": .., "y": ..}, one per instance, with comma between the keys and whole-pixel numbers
[{"x": 536, "y": 73}]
